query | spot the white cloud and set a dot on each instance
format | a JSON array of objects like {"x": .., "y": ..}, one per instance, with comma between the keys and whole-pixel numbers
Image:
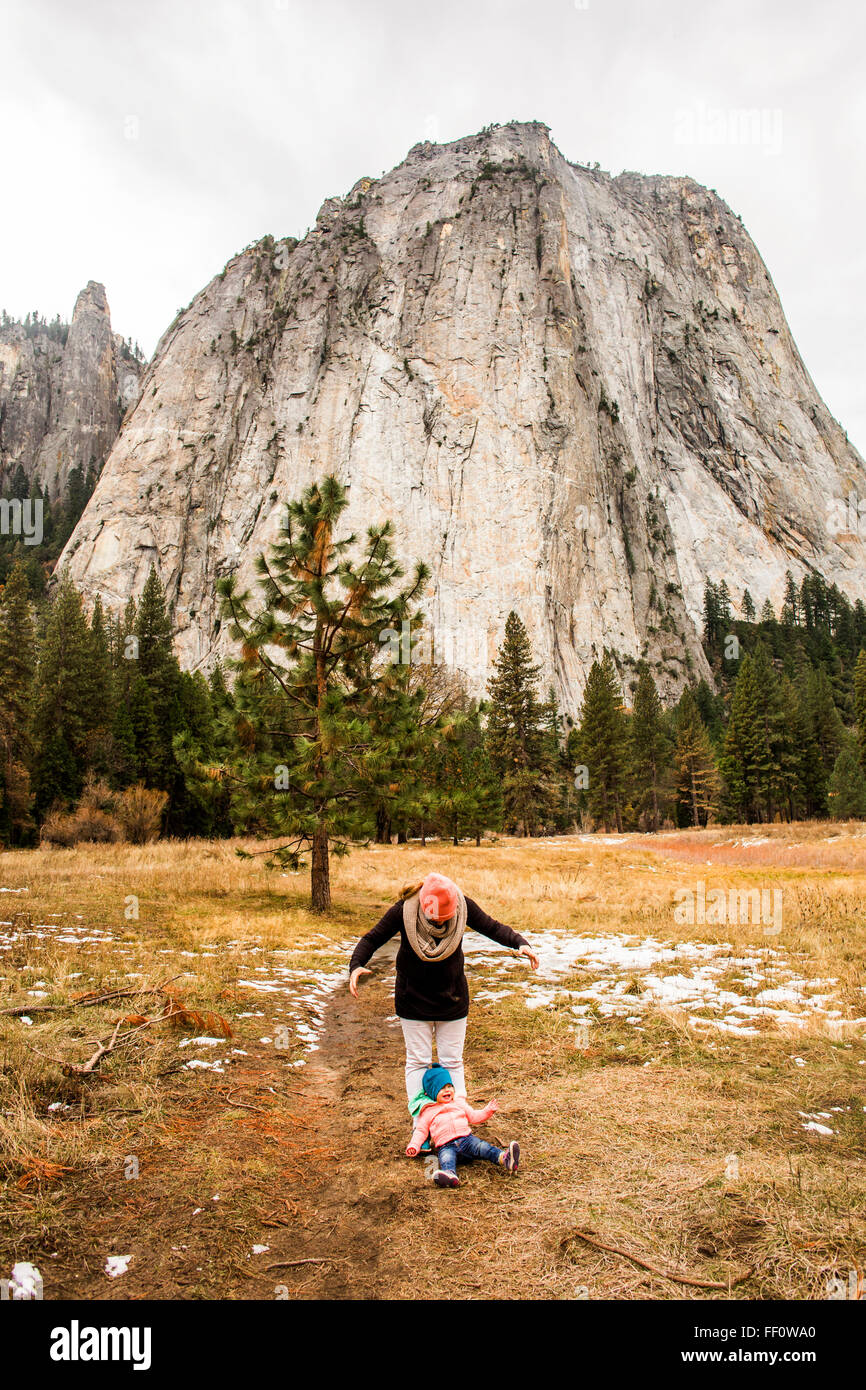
[{"x": 251, "y": 112}]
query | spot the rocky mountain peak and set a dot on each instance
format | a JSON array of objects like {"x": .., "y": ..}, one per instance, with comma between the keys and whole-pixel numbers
[
  {"x": 64, "y": 389},
  {"x": 575, "y": 394}
]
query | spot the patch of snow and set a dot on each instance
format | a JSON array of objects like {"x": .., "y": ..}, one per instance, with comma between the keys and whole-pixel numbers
[
  {"x": 25, "y": 1282},
  {"x": 117, "y": 1264},
  {"x": 625, "y": 975}
]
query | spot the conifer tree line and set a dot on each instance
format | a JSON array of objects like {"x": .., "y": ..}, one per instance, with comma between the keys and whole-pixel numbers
[
  {"x": 58, "y": 520},
  {"x": 314, "y": 735},
  {"x": 782, "y": 736}
]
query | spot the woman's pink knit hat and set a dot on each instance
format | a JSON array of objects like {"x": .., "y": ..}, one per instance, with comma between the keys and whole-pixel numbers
[{"x": 439, "y": 898}]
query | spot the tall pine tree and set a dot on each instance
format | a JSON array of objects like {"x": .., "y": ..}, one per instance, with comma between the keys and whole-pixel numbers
[
  {"x": 601, "y": 742},
  {"x": 649, "y": 747},
  {"x": 17, "y": 671},
  {"x": 328, "y": 724},
  {"x": 518, "y": 748}
]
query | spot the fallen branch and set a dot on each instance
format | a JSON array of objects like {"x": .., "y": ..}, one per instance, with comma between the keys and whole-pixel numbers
[
  {"x": 316, "y": 1260},
  {"x": 244, "y": 1104},
  {"x": 653, "y": 1269},
  {"x": 102, "y": 1049},
  {"x": 87, "y": 1001}
]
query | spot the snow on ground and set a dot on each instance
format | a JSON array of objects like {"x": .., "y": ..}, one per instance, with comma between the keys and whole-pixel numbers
[
  {"x": 41, "y": 932},
  {"x": 298, "y": 997},
  {"x": 26, "y": 1282},
  {"x": 623, "y": 976}
]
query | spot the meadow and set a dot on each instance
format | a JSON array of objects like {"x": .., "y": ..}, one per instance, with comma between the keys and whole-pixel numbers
[{"x": 690, "y": 1094}]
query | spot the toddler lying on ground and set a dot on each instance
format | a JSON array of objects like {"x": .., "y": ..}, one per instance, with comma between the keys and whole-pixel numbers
[{"x": 447, "y": 1120}]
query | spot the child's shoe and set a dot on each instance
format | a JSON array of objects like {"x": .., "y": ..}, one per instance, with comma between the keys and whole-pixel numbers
[
  {"x": 512, "y": 1157},
  {"x": 443, "y": 1179}
]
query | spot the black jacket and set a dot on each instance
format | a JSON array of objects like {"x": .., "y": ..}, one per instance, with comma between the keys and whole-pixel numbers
[{"x": 430, "y": 990}]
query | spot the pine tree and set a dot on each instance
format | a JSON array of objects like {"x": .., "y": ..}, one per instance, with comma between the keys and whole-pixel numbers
[
  {"x": 793, "y": 780},
  {"x": 17, "y": 671},
  {"x": 712, "y": 627},
  {"x": 100, "y": 688},
  {"x": 146, "y": 733},
  {"x": 158, "y": 666},
  {"x": 860, "y": 703},
  {"x": 323, "y": 731},
  {"x": 725, "y": 615},
  {"x": 63, "y": 715},
  {"x": 846, "y": 791},
  {"x": 123, "y": 770},
  {"x": 516, "y": 742},
  {"x": 697, "y": 777},
  {"x": 748, "y": 607},
  {"x": 468, "y": 795},
  {"x": 742, "y": 756},
  {"x": 649, "y": 746},
  {"x": 601, "y": 742},
  {"x": 791, "y": 602},
  {"x": 827, "y": 733},
  {"x": 776, "y": 750}
]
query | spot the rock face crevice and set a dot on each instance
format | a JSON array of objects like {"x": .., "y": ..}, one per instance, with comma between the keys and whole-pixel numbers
[
  {"x": 63, "y": 392},
  {"x": 575, "y": 395}
]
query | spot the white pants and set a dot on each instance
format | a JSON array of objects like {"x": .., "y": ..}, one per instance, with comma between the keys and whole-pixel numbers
[{"x": 418, "y": 1036}]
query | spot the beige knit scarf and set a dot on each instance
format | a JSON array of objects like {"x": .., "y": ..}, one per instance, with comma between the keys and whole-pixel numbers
[{"x": 433, "y": 940}]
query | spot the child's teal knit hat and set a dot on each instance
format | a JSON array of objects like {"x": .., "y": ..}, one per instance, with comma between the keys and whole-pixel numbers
[{"x": 434, "y": 1079}]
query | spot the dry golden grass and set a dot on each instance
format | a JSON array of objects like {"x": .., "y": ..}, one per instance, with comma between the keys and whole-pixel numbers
[{"x": 629, "y": 1138}]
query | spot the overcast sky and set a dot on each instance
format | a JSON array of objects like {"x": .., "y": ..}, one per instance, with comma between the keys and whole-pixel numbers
[{"x": 146, "y": 141}]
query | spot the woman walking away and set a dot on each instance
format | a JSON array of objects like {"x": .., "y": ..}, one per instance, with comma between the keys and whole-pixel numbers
[{"x": 431, "y": 997}]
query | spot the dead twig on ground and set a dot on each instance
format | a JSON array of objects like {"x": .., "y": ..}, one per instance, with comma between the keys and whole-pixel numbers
[
  {"x": 86, "y": 1001},
  {"x": 654, "y": 1269},
  {"x": 314, "y": 1260},
  {"x": 228, "y": 1096}
]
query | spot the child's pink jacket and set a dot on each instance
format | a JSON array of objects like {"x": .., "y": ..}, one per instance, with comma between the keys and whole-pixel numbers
[{"x": 447, "y": 1120}]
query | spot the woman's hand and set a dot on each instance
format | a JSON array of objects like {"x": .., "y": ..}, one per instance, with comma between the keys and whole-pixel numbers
[
  {"x": 355, "y": 977},
  {"x": 530, "y": 956}
]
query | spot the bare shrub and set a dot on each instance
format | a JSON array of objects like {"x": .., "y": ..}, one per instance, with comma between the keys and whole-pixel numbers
[
  {"x": 85, "y": 823},
  {"x": 57, "y": 829},
  {"x": 139, "y": 810},
  {"x": 104, "y": 816},
  {"x": 97, "y": 796}
]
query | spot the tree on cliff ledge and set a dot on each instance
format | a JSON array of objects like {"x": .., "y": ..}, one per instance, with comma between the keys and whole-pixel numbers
[{"x": 323, "y": 717}]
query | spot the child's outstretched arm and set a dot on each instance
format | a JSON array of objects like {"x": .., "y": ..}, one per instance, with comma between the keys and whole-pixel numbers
[
  {"x": 420, "y": 1132},
  {"x": 477, "y": 1117}
]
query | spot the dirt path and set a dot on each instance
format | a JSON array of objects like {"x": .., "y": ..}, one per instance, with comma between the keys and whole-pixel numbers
[{"x": 307, "y": 1162}]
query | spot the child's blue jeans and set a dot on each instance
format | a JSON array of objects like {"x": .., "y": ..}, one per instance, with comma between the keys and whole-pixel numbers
[{"x": 463, "y": 1150}]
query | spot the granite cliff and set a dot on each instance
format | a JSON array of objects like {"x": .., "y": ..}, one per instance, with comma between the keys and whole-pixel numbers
[
  {"x": 64, "y": 389},
  {"x": 575, "y": 394}
]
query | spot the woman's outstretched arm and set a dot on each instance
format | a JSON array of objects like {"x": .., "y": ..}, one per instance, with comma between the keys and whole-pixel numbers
[
  {"x": 480, "y": 921},
  {"x": 384, "y": 929}
]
